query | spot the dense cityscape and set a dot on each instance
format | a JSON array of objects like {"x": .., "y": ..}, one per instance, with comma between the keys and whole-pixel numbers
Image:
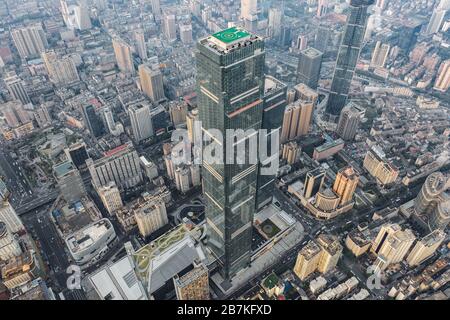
[{"x": 224, "y": 150}]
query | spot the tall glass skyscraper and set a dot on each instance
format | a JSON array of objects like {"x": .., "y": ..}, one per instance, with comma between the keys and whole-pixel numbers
[
  {"x": 230, "y": 88},
  {"x": 348, "y": 55}
]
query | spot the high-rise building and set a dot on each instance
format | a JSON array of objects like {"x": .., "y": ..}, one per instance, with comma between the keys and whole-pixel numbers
[
  {"x": 436, "y": 20},
  {"x": 124, "y": 57},
  {"x": 345, "y": 185},
  {"x": 69, "y": 181},
  {"x": 331, "y": 252},
  {"x": 322, "y": 8},
  {"x": 16, "y": 88},
  {"x": 425, "y": 247},
  {"x": 380, "y": 55},
  {"x": 275, "y": 22},
  {"x": 348, "y": 55},
  {"x": 349, "y": 121},
  {"x": 120, "y": 165},
  {"x": 248, "y": 8},
  {"x": 391, "y": 245},
  {"x": 42, "y": 116},
  {"x": 194, "y": 285},
  {"x": 15, "y": 114},
  {"x": 170, "y": 27},
  {"x": 9, "y": 246},
  {"x": 9, "y": 216},
  {"x": 156, "y": 7},
  {"x": 82, "y": 17},
  {"x": 314, "y": 182},
  {"x": 191, "y": 118},
  {"x": 110, "y": 196},
  {"x": 4, "y": 192},
  {"x": 178, "y": 112},
  {"x": 298, "y": 115},
  {"x": 443, "y": 77},
  {"x": 230, "y": 90},
  {"x": 275, "y": 100},
  {"x": 151, "y": 216},
  {"x": 322, "y": 37},
  {"x": 382, "y": 4},
  {"x": 30, "y": 41},
  {"x": 307, "y": 260},
  {"x": 382, "y": 170},
  {"x": 291, "y": 152},
  {"x": 309, "y": 65},
  {"x": 93, "y": 120},
  {"x": 285, "y": 38},
  {"x": 61, "y": 70},
  {"x": 186, "y": 33},
  {"x": 114, "y": 128},
  {"x": 151, "y": 80},
  {"x": 77, "y": 153},
  {"x": 141, "y": 121},
  {"x": 141, "y": 46}
]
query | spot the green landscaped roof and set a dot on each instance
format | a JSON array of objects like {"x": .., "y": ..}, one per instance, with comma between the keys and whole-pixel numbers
[
  {"x": 231, "y": 34},
  {"x": 271, "y": 281}
]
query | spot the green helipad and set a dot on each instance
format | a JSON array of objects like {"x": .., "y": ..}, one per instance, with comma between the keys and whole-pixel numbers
[{"x": 231, "y": 34}]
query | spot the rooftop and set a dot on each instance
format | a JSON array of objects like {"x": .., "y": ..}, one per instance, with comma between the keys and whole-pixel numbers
[
  {"x": 89, "y": 235},
  {"x": 63, "y": 168},
  {"x": 231, "y": 35}
]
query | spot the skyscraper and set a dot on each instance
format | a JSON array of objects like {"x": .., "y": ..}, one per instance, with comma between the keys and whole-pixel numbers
[
  {"x": 248, "y": 8},
  {"x": 124, "y": 57},
  {"x": 186, "y": 33},
  {"x": 141, "y": 121},
  {"x": 110, "y": 196},
  {"x": 93, "y": 121},
  {"x": 437, "y": 17},
  {"x": 275, "y": 21},
  {"x": 314, "y": 182},
  {"x": 82, "y": 17},
  {"x": 425, "y": 247},
  {"x": 9, "y": 216},
  {"x": 16, "y": 88},
  {"x": 156, "y": 7},
  {"x": 151, "y": 80},
  {"x": 309, "y": 65},
  {"x": 60, "y": 70},
  {"x": 443, "y": 77},
  {"x": 151, "y": 216},
  {"x": 349, "y": 121},
  {"x": 30, "y": 41},
  {"x": 170, "y": 27},
  {"x": 230, "y": 90},
  {"x": 348, "y": 56},
  {"x": 69, "y": 181},
  {"x": 141, "y": 46},
  {"x": 345, "y": 185}
]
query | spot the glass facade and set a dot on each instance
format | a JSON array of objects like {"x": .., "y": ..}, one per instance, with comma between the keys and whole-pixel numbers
[
  {"x": 230, "y": 90},
  {"x": 348, "y": 55}
]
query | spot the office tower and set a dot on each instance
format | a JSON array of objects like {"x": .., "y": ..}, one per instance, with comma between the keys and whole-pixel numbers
[
  {"x": 391, "y": 245},
  {"x": 322, "y": 8},
  {"x": 349, "y": 121},
  {"x": 124, "y": 57},
  {"x": 193, "y": 285},
  {"x": 9, "y": 216},
  {"x": 110, "y": 196},
  {"x": 151, "y": 80},
  {"x": 291, "y": 152},
  {"x": 345, "y": 185},
  {"x": 440, "y": 217},
  {"x": 248, "y": 8},
  {"x": 65, "y": 12},
  {"x": 380, "y": 55},
  {"x": 376, "y": 164},
  {"x": 141, "y": 121},
  {"x": 141, "y": 46},
  {"x": 437, "y": 18},
  {"x": 313, "y": 182},
  {"x": 42, "y": 116},
  {"x": 330, "y": 253},
  {"x": 170, "y": 27},
  {"x": 309, "y": 65},
  {"x": 151, "y": 216},
  {"x": 16, "y": 88},
  {"x": 150, "y": 168},
  {"x": 30, "y": 41},
  {"x": 425, "y": 247},
  {"x": 92, "y": 120},
  {"x": 77, "y": 153},
  {"x": 275, "y": 100},
  {"x": 182, "y": 179},
  {"x": 284, "y": 40},
  {"x": 230, "y": 90},
  {"x": 186, "y": 33},
  {"x": 116, "y": 129},
  {"x": 69, "y": 181},
  {"x": 120, "y": 165},
  {"x": 348, "y": 56},
  {"x": 275, "y": 22},
  {"x": 60, "y": 70},
  {"x": 322, "y": 38},
  {"x": 9, "y": 246},
  {"x": 191, "y": 118},
  {"x": 442, "y": 82},
  {"x": 178, "y": 112},
  {"x": 82, "y": 18},
  {"x": 302, "y": 42},
  {"x": 156, "y": 7}
]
